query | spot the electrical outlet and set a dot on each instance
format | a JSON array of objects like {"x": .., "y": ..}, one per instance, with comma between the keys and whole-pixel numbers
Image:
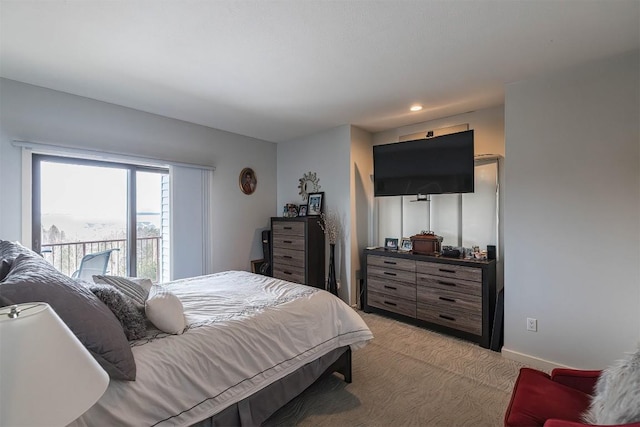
[{"x": 532, "y": 324}]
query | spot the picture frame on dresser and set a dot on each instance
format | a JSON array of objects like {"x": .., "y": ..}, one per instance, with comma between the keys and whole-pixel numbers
[
  {"x": 391, "y": 244},
  {"x": 290, "y": 210},
  {"x": 315, "y": 204}
]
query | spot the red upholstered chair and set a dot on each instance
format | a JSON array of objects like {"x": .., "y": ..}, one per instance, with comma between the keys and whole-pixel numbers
[{"x": 558, "y": 400}]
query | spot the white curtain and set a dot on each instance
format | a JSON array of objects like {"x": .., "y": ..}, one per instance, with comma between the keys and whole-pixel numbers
[{"x": 190, "y": 222}]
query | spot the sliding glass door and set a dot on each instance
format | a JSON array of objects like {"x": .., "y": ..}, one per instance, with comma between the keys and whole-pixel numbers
[{"x": 84, "y": 207}]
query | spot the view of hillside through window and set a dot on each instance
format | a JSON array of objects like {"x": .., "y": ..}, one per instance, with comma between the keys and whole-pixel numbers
[{"x": 84, "y": 210}]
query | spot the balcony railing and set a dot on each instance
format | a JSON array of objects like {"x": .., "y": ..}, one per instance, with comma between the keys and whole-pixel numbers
[{"x": 66, "y": 257}]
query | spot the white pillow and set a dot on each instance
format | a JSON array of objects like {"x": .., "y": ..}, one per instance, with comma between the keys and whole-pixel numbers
[{"x": 165, "y": 310}]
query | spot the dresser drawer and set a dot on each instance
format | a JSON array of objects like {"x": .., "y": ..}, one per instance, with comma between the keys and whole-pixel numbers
[
  {"x": 392, "y": 288},
  {"x": 285, "y": 228},
  {"x": 450, "y": 271},
  {"x": 393, "y": 263},
  {"x": 448, "y": 300},
  {"x": 386, "y": 273},
  {"x": 449, "y": 284},
  {"x": 288, "y": 242},
  {"x": 459, "y": 320},
  {"x": 288, "y": 272},
  {"x": 288, "y": 257},
  {"x": 391, "y": 303}
]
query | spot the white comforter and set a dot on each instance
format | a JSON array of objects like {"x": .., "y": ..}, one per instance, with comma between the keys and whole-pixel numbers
[{"x": 245, "y": 331}]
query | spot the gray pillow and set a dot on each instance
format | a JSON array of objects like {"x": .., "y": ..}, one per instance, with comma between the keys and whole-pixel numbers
[
  {"x": 33, "y": 279},
  {"x": 132, "y": 321},
  {"x": 5, "y": 266},
  {"x": 11, "y": 250},
  {"x": 4, "y": 302},
  {"x": 136, "y": 293}
]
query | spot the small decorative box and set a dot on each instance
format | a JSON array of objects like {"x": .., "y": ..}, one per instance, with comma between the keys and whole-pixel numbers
[{"x": 426, "y": 243}]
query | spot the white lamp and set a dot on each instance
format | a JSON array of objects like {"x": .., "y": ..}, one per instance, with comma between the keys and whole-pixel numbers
[{"x": 47, "y": 377}]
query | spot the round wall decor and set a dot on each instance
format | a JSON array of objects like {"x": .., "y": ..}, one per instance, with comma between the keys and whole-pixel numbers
[
  {"x": 248, "y": 181},
  {"x": 308, "y": 184}
]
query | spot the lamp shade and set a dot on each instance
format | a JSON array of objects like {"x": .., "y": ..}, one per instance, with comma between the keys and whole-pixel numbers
[{"x": 47, "y": 377}]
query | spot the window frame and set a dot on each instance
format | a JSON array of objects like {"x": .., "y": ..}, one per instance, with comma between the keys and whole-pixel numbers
[{"x": 130, "y": 168}]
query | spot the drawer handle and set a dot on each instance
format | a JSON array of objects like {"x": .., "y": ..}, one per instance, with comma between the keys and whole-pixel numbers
[
  {"x": 447, "y": 299},
  {"x": 287, "y": 241},
  {"x": 390, "y": 274},
  {"x": 447, "y": 317},
  {"x": 288, "y": 228},
  {"x": 444, "y": 270},
  {"x": 287, "y": 256},
  {"x": 390, "y": 287},
  {"x": 288, "y": 272},
  {"x": 446, "y": 283},
  {"x": 389, "y": 262},
  {"x": 390, "y": 303}
]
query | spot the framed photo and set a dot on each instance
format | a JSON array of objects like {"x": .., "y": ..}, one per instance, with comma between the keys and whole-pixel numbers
[
  {"x": 315, "y": 204},
  {"x": 391, "y": 244},
  {"x": 406, "y": 245},
  {"x": 290, "y": 210},
  {"x": 302, "y": 210},
  {"x": 248, "y": 181}
]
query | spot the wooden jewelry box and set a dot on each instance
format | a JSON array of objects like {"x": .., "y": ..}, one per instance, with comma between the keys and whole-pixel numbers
[{"x": 426, "y": 243}]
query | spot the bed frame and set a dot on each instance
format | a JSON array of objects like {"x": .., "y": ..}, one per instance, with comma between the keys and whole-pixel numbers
[{"x": 257, "y": 408}]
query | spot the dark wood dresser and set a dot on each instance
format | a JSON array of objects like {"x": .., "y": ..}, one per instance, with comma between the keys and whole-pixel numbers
[
  {"x": 298, "y": 248},
  {"x": 454, "y": 296}
]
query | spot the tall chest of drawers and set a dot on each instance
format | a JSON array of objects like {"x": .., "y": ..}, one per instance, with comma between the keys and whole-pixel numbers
[
  {"x": 298, "y": 248},
  {"x": 453, "y": 296}
]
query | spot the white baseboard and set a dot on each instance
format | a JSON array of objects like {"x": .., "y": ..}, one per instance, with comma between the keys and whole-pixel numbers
[{"x": 536, "y": 362}]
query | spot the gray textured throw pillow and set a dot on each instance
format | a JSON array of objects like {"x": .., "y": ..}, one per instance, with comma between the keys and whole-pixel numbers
[
  {"x": 11, "y": 250},
  {"x": 33, "y": 279},
  {"x": 616, "y": 399},
  {"x": 136, "y": 293},
  {"x": 132, "y": 321}
]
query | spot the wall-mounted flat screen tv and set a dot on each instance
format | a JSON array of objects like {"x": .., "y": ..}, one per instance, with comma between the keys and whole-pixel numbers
[{"x": 439, "y": 165}]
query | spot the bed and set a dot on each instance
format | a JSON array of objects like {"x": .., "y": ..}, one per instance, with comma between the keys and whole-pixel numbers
[{"x": 246, "y": 344}]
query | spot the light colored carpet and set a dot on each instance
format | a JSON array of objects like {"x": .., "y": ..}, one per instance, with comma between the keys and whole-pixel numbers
[{"x": 409, "y": 376}]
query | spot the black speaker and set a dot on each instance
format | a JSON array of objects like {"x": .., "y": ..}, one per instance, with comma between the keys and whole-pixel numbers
[
  {"x": 265, "y": 269},
  {"x": 491, "y": 252}
]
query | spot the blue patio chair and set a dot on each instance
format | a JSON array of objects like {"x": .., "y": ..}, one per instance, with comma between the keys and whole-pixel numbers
[{"x": 93, "y": 264}]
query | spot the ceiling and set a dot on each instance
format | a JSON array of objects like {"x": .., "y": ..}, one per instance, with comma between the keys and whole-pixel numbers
[{"x": 279, "y": 70}]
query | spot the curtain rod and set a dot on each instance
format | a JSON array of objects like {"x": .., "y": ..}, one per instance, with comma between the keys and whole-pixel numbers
[{"x": 44, "y": 148}]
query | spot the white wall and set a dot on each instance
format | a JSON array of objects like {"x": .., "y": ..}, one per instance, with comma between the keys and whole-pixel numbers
[
  {"x": 361, "y": 205},
  {"x": 43, "y": 115},
  {"x": 488, "y": 126},
  {"x": 572, "y": 214},
  {"x": 328, "y": 155}
]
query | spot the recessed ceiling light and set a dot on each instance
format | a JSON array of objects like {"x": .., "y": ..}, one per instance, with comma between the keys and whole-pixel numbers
[{"x": 416, "y": 107}]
